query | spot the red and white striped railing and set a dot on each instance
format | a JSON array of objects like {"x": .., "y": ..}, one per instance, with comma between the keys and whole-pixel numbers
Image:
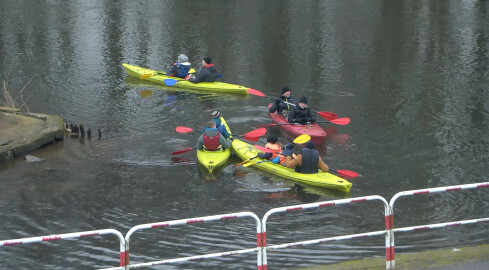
[
  {"x": 261, "y": 235},
  {"x": 392, "y": 261},
  {"x": 76, "y": 235},
  {"x": 316, "y": 241},
  {"x": 193, "y": 221}
]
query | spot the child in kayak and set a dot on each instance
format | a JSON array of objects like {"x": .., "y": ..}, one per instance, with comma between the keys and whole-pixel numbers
[
  {"x": 301, "y": 114},
  {"x": 216, "y": 117},
  {"x": 181, "y": 68},
  {"x": 272, "y": 144}
]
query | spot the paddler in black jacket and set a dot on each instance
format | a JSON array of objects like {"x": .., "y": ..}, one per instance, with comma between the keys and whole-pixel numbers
[
  {"x": 281, "y": 105},
  {"x": 301, "y": 113},
  {"x": 208, "y": 72},
  {"x": 308, "y": 161}
]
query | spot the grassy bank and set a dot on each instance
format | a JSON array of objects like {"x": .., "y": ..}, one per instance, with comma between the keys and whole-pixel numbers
[{"x": 429, "y": 259}]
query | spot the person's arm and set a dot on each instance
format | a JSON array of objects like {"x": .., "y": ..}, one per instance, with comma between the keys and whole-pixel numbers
[
  {"x": 292, "y": 163},
  {"x": 200, "y": 77},
  {"x": 322, "y": 166},
  {"x": 291, "y": 116},
  {"x": 265, "y": 155},
  {"x": 226, "y": 144},
  {"x": 312, "y": 116},
  {"x": 273, "y": 108},
  {"x": 200, "y": 143}
]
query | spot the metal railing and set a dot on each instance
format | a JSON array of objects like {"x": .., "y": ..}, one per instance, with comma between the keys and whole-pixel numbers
[{"x": 261, "y": 231}]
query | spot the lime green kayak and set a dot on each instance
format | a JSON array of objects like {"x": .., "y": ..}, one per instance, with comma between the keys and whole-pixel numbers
[
  {"x": 321, "y": 179},
  {"x": 214, "y": 159},
  {"x": 158, "y": 77}
]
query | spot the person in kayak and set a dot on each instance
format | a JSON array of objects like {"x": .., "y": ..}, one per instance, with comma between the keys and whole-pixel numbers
[
  {"x": 181, "y": 68},
  {"x": 308, "y": 161},
  {"x": 301, "y": 113},
  {"x": 212, "y": 140},
  {"x": 281, "y": 105},
  {"x": 208, "y": 72},
  {"x": 273, "y": 144},
  {"x": 216, "y": 117}
]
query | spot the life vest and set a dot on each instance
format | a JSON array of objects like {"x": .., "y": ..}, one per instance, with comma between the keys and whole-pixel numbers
[
  {"x": 183, "y": 68},
  {"x": 211, "y": 143},
  {"x": 310, "y": 160},
  {"x": 276, "y": 147}
]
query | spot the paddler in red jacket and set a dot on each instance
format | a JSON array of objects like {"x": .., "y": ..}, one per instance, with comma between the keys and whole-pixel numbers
[{"x": 212, "y": 140}]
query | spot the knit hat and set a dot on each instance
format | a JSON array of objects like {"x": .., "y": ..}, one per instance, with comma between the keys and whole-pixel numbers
[
  {"x": 207, "y": 59},
  {"x": 272, "y": 139},
  {"x": 310, "y": 145},
  {"x": 285, "y": 89},
  {"x": 182, "y": 58},
  {"x": 303, "y": 100},
  {"x": 216, "y": 114},
  {"x": 289, "y": 146}
]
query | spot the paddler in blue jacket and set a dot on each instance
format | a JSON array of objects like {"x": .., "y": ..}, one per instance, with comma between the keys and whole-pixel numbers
[
  {"x": 181, "y": 68},
  {"x": 212, "y": 140},
  {"x": 216, "y": 117},
  {"x": 208, "y": 72},
  {"x": 308, "y": 161},
  {"x": 284, "y": 103}
]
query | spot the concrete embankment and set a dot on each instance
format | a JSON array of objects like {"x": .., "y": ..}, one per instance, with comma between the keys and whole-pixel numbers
[
  {"x": 456, "y": 258},
  {"x": 22, "y": 133}
]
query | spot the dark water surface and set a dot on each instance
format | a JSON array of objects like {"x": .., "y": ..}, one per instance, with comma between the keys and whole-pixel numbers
[{"x": 413, "y": 77}]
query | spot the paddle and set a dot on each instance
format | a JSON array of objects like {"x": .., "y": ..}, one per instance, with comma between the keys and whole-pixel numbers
[
  {"x": 345, "y": 173},
  {"x": 250, "y": 136},
  {"x": 299, "y": 140},
  {"x": 338, "y": 121},
  {"x": 326, "y": 115},
  {"x": 183, "y": 151}
]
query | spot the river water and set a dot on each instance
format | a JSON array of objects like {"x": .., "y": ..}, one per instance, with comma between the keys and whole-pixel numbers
[{"x": 413, "y": 76}]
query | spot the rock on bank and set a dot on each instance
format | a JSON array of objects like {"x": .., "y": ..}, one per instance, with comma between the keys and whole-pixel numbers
[{"x": 22, "y": 133}]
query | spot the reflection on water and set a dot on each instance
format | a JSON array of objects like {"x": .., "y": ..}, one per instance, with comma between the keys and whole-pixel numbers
[{"x": 412, "y": 76}]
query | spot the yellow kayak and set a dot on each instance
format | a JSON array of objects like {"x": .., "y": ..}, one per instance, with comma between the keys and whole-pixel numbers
[
  {"x": 213, "y": 159},
  {"x": 159, "y": 77},
  {"x": 321, "y": 179}
]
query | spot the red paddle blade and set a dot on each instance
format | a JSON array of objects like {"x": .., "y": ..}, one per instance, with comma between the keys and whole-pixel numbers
[
  {"x": 251, "y": 139},
  {"x": 255, "y": 92},
  {"x": 328, "y": 115},
  {"x": 263, "y": 149},
  {"x": 183, "y": 129},
  {"x": 341, "y": 121},
  {"x": 347, "y": 173},
  {"x": 255, "y": 133},
  {"x": 181, "y": 151}
]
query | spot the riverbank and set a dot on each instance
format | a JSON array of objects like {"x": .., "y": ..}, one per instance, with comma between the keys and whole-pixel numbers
[
  {"x": 22, "y": 133},
  {"x": 455, "y": 258}
]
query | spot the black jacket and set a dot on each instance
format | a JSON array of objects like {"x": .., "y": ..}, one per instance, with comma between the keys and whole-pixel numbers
[
  {"x": 206, "y": 74},
  {"x": 279, "y": 106},
  {"x": 299, "y": 115}
]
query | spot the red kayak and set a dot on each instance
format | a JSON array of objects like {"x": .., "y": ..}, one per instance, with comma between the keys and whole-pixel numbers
[{"x": 316, "y": 132}]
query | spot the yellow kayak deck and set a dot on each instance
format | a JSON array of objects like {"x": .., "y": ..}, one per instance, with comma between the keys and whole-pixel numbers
[
  {"x": 159, "y": 77},
  {"x": 213, "y": 159},
  {"x": 321, "y": 179}
]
